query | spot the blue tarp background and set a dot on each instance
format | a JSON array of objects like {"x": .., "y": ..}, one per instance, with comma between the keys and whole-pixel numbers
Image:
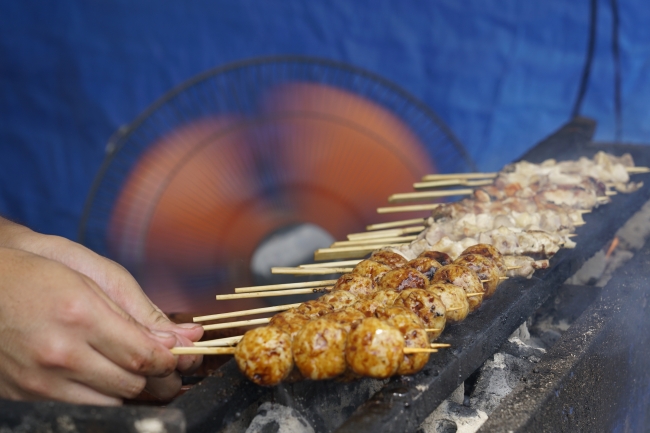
[{"x": 503, "y": 74}]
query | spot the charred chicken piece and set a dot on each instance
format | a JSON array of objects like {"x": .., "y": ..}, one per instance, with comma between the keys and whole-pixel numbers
[
  {"x": 403, "y": 278},
  {"x": 427, "y": 306},
  {"x": 491, "y": 252},
  {"x": 454, "y": 298},
  {"x": 354, "y": 283},
  {"x": 385, "y": 298},
  {"x": 486, "y": 269},
  {"x": 374, "y": 349},
  {"x": 463, "y": 277},
  {"x": 427, "y": 266},
  {"x": 289, "y": 321},
  {"x": 314, "y": 309},
  {"x": 390, "y": 258},
  {"x": 339, "y": 299},
  {"x": 319, "y": 349},
  {"x": 264, "y": 355},
  {"x": 443, "y": 258},
  {"x": 371, "y": 269},
  {"x": 348, "y": 317}
]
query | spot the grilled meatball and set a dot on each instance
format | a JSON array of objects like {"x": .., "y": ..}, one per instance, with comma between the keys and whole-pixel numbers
[
  {"x": 355, "y": 283},
  {"x": 443, "y": 258},
  {"x": 464, "y": 277},
  {"x": 412, "y": 328},
  {"x": 374, "y": 349},
  {"x": 339, "y": 299},
  {"x": 385, "y": 298},
  {"x": 315, "y": 309},
  {"x": 390, "y": 258},
  {"x": 264, "y": 355},
  {"x": 319, "y": 349},
  {"x": 425, "y": 265},
  {"x": 454, "y": 298},
  {"x": 348, "y": 317},
  {"x": 403, "y": 278},
  {"x": 371, "y": 269},
  {"x": 486, "y": 269},
  {"x": 489, "y": 251},
  {"x": 427, "y": 306},
  {"x": 367, "y": 306},
  {"x": 289, "y": 321}
]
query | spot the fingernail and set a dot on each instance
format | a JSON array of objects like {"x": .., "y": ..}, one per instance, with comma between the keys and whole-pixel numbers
[
  {"x": 162, "y": 334},
  {"x": 189, "y": 325}
]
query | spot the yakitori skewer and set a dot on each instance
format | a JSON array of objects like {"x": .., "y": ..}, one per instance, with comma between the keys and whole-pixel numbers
[
  {"x": 451, "y": 182},
  {"x": 337, "y": 264},
  {"x": 245, "y": 312},
  {"x": 373, "y": 241},
  {"x": 238, "y": 324},
  {"x": 231, "y": 350},
  {"x": 284, "y": 286},
  {"x": 408, "y": 208},
  {"x": 271, "y": 293},
  {"x": 348, "y": 252},
  {"x": 219, "y": 342},
  {"x": 309, "y": 271},
  {"x": 392, "y": 224},
  {"x": 429, "y": 177},
  {"x": 385, "y": 233},
  {"x": 408, "y": 196}
]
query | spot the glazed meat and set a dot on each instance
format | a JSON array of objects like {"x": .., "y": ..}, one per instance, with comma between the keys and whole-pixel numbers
[
  {"x": 339, "y": 299},
  {"x": 489, "y": 251},
  {"x": 400, "y": 317},
  {"x": 367, "y": 307},
  {"x": 427, "y": 266},
  {"x": 319, "y": 349},
  {"x": 390, "y": 258},
  {"x": 348, "y": 317},
  {"x": 289, "y": 321},
  {"x": 371, "y": 269},
  {"x": 315, "y": 309},
  {"x": 374, "y": 349},
  {"x": 385, "y": 298},
  {"x": 465, "y": 278},
  {"x": 354, "y": 283},
  {"x": 486, "y": 269},
  {"x": 454, "y": 298},
  {"x": 264, "y": 355},
  {"x": 427, "y": 306},
  {"x": 442, "y": 258},
  {"x": 403, "y": 278}
]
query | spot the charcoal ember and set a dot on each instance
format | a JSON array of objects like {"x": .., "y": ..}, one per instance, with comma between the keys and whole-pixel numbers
[
  {"x": 276, "y": 418},
  {"x": 453, "y": 417}
]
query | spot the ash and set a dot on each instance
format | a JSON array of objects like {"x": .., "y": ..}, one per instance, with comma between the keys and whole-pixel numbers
[{"x": 276, "y": 418}]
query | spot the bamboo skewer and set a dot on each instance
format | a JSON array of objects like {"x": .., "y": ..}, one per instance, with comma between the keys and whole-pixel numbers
[
  {"x": 272, "y": 293},
  {"x": 385, "y": 233},
  {"x": 347, "y": 252},
  {"x": 284, "y": 286},
  {"x": 237, "y": 324},
  {"x": 309, "y": 271},
  {"x": 393, "y": 224},
  {"x": 339, "y": 264},
  {"x": 439, "y": 345},
  {"x": 219, "y": 342},
  {"x": 637, "y": 170},
  {"x": 451, "y": 182},
  {"x": 231, "y": 350},
  {"x": 460, "y": 176},
  {"x": 408, "y": 196},
  {"x": 409, "y": 208},
  {"x": 373, "y": 241},
  {"x": 203, "y": 350},
  {"x": 244, "y": 313}
]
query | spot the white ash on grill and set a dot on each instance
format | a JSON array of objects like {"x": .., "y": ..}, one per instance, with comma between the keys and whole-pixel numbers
[{"x": 276, "y": 418}]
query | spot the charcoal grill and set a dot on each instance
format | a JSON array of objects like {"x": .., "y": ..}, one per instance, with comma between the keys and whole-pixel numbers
[{"x": 596, "y": 378}]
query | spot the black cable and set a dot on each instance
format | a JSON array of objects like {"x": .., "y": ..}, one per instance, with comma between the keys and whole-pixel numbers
[
  {"x": 584, "y": 80},
  {"x": 617, "y": 71}
]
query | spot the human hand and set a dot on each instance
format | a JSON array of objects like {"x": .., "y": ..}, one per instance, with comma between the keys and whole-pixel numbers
[
  {"x": 121, "y": 288},
  {"x": 62, "y": 339}
]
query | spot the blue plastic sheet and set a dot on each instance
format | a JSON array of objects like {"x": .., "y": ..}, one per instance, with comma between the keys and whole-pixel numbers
[{"x": 503, "y": 74}]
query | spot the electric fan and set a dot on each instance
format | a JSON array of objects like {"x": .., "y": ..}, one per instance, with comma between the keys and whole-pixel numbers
[{"x": 252, "y": 165}]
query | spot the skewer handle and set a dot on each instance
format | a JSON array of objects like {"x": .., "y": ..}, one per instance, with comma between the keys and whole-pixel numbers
[{"x": 203, "y": 350}]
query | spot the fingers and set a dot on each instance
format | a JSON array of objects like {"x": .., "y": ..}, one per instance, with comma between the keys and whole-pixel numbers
[
  {"x": 37, "y": 388},
  {"x": 164, "y": 388},
  {"x": 187, "y": 363}
]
